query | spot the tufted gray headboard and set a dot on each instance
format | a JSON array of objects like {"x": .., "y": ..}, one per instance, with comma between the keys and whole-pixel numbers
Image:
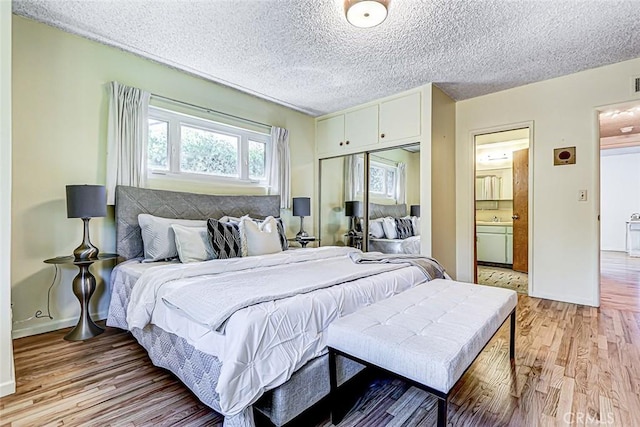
[
  {"x": 131, "y": 201},
  {"x": 377, "y": 210}
]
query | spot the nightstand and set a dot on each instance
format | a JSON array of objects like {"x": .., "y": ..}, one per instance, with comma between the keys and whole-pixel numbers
[
  {"x": 84, "y": 284},
  {"x": 354, "y": 239},
  {"x": 304, "y": 241}
]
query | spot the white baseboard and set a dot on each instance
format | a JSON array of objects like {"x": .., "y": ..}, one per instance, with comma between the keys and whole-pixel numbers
[
  {"x": 579, "y": 301},
  {"x": 7, "y": 388},
  {"x": 53, "y": 325}
]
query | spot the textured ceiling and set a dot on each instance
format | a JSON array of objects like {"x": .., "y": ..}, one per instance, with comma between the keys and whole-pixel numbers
[{"x": 304, "y": 54}]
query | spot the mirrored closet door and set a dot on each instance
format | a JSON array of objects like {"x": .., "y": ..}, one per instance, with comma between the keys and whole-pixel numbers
[
  {"x": 394, "y": 200},
  {"x": 393, "y": 197}
]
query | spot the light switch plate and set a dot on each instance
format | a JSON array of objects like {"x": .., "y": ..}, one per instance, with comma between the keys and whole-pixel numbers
[{"x": 582, "y": 195}]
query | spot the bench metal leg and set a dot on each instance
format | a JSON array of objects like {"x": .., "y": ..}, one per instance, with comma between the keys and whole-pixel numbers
[
  {"x": 336, "y": 414},
  {"x": 442, "y": 412},
  {"x": 512, "y": 338}
]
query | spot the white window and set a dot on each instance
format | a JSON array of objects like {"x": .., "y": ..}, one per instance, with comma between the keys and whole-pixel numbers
[
  {"x": 184, "y": 146},
  {"x": 382, "y": 179}
]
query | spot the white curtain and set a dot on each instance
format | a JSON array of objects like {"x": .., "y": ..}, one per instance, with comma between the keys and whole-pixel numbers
[
  {"x": 280, "y": 171},
  {"x": 126, "y": 138},
  {"x": 401, "y": 190},
  {"x": 353, "y": 177}
]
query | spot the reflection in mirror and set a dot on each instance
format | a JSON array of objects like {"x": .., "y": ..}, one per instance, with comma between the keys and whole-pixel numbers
[
  {"x": 341, "y": 199},
  {"x": 394, "y": 200}
]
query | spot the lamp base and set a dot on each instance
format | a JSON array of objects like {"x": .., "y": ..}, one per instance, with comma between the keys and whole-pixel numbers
[
  {"x": 86, "y": 250},
  {"x": 301, "y": 233}
]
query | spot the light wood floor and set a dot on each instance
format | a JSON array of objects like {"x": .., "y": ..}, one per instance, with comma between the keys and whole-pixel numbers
[
  {"x": 620, "y": 281},
  {"x": 575, "y": 365}
]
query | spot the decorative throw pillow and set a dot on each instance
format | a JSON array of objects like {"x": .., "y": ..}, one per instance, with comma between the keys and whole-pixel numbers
[
  {"x": 415, "y": 221},
  {"x": 225, "y": 239},
  {"x": 193, "y": 243},
  {"x": 404, "y": 228},
  {"x": 158, "y": 238},
  {"x": 284, "y": 243},
  {"x": 259, "y": 239},
  {"x": 375, "y": 229},
  {"x": 389, "y": 226}
]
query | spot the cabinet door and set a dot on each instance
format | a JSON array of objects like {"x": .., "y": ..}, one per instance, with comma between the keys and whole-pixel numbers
[
  {"x": 491, "y": 247},
  {"x": 361, "y": 127},
  {"x": 330, "y": 135},
  {"x": 400, "y": 118},
  {"x": 509, "y": 248}
]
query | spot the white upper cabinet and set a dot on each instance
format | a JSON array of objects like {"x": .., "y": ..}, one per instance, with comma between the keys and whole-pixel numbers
[
  {"x": 400, "y": 118},
  {"x": 330, "y": 134},
  {"x": 361, "y": 126},
  {"x": 385, "y": 123}
]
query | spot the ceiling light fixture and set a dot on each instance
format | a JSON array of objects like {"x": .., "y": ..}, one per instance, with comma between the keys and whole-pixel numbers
[{"x": 365, "y": 13}]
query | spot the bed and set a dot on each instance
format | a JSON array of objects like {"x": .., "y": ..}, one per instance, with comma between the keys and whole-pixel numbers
[
  {"x": 378, "y": 239},
  {"x": 280, "y": 370}
]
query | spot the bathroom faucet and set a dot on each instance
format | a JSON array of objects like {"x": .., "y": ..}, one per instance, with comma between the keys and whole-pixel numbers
[{"x": 495, "y": 219}]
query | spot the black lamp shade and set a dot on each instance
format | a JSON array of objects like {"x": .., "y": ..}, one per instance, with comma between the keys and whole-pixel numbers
[
  {"x": 415, "y": 210},
  {"x": 353, "y": 208},
  {"x": 301, "y": 206},
  {"x": 86, "y": 201}
]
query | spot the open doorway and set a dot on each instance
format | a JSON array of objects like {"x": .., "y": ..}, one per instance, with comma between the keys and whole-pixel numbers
[
  {"x": 619, "y": 128},
  {"x": 502, "y": 208}
]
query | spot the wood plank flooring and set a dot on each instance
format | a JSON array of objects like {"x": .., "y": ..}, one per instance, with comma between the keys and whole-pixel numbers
[
  {"x": 575, "y": 365},
  {"x": 620, "y": 281}
]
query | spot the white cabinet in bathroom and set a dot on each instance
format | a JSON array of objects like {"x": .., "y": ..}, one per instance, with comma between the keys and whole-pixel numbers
[{"x": 495, "y": 243}]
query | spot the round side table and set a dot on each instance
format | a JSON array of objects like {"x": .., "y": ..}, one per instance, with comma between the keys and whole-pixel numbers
[{"x": 84, "y": 284}]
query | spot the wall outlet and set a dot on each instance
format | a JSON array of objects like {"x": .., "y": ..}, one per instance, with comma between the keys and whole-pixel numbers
[{"x": 582, "y": 195}]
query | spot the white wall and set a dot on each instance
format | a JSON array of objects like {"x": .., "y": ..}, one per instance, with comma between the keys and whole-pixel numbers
[
  {"x": 7, "y": 378},
  {"x": 565, "y": 239},
  {"x": 619, "y": 197},
  {"x": 59, "y": 138}
]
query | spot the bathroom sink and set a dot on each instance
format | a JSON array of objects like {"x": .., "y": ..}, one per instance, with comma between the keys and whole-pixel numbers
[{"x": 503, "y": 224}]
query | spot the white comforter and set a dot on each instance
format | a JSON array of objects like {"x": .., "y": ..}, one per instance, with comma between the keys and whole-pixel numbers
[{"x": 264, "y": 343}]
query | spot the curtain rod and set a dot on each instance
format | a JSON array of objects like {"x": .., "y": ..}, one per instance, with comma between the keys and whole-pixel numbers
[{"x": 209, "y": 110}]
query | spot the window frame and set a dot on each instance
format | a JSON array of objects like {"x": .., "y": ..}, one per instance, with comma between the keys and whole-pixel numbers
[
  {"x": 391, "y": 195},
  {"x": 176, "y": 120}
]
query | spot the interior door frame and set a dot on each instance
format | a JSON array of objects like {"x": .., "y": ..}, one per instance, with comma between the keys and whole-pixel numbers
[
  {"x": 472, "y": 224},
  {"x": 597, "y": 188}
]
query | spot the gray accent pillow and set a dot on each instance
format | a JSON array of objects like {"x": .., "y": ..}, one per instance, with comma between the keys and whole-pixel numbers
[
  {"x": 193, "y": 243},
  {"x": 225, "y": 239},
  {"x": 159, "y": 241}
]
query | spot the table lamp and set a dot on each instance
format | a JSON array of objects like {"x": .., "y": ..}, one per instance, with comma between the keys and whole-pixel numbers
[
  {"x": 86, "y": 202},
  {"x": 301, "y": 208},
  {"x": 353, "y": 209}
]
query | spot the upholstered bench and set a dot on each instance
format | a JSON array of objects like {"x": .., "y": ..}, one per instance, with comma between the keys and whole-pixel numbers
[{"x": 428, "y": 335}]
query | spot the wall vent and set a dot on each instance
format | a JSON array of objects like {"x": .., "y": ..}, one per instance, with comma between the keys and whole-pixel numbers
[{"x": 636, "y": 84}]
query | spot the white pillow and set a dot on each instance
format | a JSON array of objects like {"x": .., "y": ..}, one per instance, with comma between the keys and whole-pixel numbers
[
  {"x": 259, "y": 239},
  {"x": 389, "y": 226},
  {"x": 193, "y": 243},
  {"x": 415, "y": 221},
  {"x": 375, "y": 229},
  {"x": 158, "y": 238}
]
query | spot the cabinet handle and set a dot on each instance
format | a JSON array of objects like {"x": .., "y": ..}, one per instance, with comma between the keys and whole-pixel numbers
[
  {"x": 340, "y": 143},
  {"x": 382, "y": 135},
  {"x": 514, "y": 217},
  {"x": 347, "y": 142}
]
